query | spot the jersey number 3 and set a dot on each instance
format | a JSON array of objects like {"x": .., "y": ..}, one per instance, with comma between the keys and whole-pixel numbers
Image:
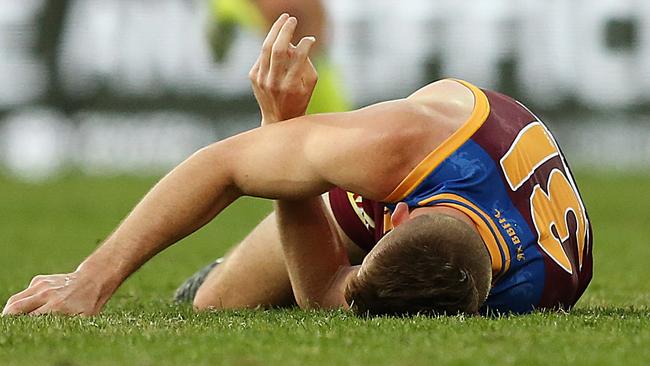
[{"x": 549, "y": 205}]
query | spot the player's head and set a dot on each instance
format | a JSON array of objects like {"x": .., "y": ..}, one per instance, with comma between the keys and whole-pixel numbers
[{"x": 430, "y": 264}]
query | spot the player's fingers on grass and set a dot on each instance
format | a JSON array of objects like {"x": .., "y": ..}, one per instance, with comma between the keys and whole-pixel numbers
[
  {"x": 4, "y": 310},
  {"x": 28, "y": 304},
  {"x": 267, "y": 45},
  {"x": 47, "y": 279},
  {"x": 31, "y": 290},
  {"x": 43, "y": 310},
  {"x": 36, "y": 279}
]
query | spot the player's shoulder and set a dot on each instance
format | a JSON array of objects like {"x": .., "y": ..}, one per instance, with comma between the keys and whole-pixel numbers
[
  {"x": 446, "y": 96},
  {"x": 449, "y": 102}
]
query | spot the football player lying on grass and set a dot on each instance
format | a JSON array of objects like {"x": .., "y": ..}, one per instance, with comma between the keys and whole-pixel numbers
[{"x": 467, "y": 204}]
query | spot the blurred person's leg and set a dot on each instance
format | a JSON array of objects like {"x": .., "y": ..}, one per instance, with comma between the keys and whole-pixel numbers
[
  {"x": 257, "y": 15},
  {"x": 227, "y": 16}
]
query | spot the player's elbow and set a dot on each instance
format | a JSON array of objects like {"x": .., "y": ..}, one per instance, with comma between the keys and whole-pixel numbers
[
  {"x": 218, "y": 152},
  {"x": 216, "y": 159}
]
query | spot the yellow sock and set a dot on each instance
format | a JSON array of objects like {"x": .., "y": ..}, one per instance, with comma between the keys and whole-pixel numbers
[{"x": 329, "y": 95}]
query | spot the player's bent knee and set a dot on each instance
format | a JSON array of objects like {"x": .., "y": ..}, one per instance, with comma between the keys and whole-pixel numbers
[{"x": 206, "y": 299}]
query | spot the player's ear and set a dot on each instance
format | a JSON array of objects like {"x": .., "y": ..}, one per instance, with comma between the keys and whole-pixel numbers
[{"x": 400, "y": 215}]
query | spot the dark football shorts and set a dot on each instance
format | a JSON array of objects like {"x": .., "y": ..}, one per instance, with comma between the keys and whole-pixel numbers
[{"x": 361, "y": 219}]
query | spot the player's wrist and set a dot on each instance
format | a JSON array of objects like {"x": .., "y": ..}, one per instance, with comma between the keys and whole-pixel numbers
[
  {"x": 269, "y": 121},
  {"x": 269, "y": 117},
  {"x": 105, "y": 275}
]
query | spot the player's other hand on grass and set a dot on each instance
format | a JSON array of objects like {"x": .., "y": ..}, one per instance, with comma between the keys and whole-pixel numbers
[
  {"x": 58, "y": 294},
  {"x": 283, "y": 77}
]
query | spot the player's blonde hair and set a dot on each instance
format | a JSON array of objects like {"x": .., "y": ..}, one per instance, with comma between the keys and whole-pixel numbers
[{"x": 431, "y": 264}]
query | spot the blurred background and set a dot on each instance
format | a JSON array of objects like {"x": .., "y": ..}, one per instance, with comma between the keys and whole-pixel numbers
[
  {"x": 111, "y": 87},
  {"x": 99, "y": 98}
]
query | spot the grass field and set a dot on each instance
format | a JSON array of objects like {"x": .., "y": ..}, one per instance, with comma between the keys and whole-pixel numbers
[{"x": 51, "y": 227}]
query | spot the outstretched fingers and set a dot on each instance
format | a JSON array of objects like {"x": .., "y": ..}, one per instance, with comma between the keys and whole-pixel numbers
[
  {"x": 274, "y": 31},
  {"x": 264, "y": 60},
  {"x": 280, "y": 58},
  {"x": 283, "y": 77},
  {"x": 285, "y": 36}
]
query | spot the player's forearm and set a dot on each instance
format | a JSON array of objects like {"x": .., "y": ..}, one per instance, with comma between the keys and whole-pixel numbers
[
  {"x": 313, "y": 252},
  {"x": 183, "y": 201}
]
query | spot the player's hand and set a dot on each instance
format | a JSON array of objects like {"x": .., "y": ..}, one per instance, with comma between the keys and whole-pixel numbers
[
  {"x": 69, "y": 294},
  {"x": 283, "y": 77}
]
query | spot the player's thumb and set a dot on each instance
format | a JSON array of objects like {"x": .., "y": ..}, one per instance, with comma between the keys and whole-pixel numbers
[{"x": 304, "y": 47}]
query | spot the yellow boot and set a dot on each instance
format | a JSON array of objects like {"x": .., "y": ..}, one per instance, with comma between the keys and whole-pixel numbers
[{"x": 329, "y": 94}]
